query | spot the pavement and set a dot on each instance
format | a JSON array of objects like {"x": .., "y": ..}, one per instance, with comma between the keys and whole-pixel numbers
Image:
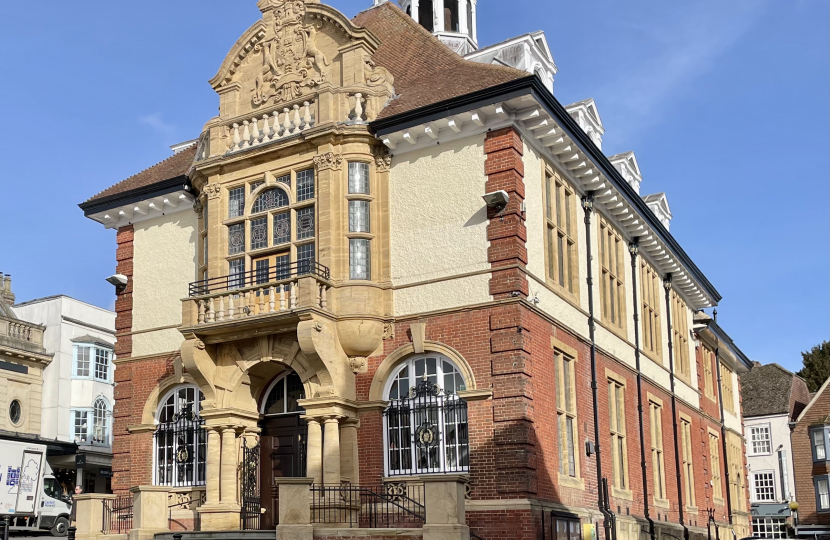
[{"x": 27, "y": 535}]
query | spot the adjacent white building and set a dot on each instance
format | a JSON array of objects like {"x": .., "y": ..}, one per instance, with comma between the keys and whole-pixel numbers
[
  {"x": 78, "y": 385},
  {"x": 772, "y": 398}
]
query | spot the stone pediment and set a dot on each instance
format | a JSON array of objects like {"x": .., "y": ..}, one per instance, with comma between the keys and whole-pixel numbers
[{"x": 299, "y": 49}]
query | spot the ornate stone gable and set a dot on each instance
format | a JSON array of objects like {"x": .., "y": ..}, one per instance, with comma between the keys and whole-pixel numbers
[
  {"x": 299, "y": 51},
  {"x": 292, "y": 63}
]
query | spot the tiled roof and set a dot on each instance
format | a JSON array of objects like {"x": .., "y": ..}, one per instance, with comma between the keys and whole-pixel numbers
[
  {"x": 766, "y": 390},
  {"x": 172, "y": 167},
  {"x": 426, "y": 71}
]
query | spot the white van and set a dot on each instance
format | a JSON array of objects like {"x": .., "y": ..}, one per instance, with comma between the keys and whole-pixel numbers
[{"x": 29, "y": 493}]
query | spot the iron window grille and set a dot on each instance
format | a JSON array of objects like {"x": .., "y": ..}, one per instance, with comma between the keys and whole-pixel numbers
[
  {"x": 427, "y": 432},
  {"x": 181, "y": 449}
]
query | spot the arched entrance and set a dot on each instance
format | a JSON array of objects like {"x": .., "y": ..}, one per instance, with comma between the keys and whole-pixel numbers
[{"x": 282, "y": 441}]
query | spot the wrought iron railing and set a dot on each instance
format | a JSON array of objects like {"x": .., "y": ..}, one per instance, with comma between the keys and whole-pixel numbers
[
  {"x": 117, "y": 515},
  {"x": 427, "y": 432},
  {"x": 181, "y": 450},
  {"x": 249, "y": 517},
  {"x": 393, "y": 505},
  {"x": 258, "y": 277}
]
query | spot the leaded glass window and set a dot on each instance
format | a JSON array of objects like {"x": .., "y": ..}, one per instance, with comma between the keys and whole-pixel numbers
[
  {"x": 358, "y": 258},
  {"x": 259, "y": 233},
  {"x": 236, "y": 238},
  {"x": 255, "y": 185},
  {"x": 282, "y": 228},
  {"x": 305, "y": 223},
  {"x": 270, "y": 199},
  {"x": 305, "y": 258},
  {"x": 236, "y": 202},
  {"x": 236, "y": 273},
  {"x": 359, "y": 216},
  {"x": 359, "y": 178},
  {"x": 305, "y": 185}
]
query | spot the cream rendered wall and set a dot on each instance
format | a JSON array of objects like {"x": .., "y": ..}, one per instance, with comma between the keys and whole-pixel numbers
[
  {"x": 439, "y": 226},
  {"x": 733, "y": 421},
  {"x": 164, "y": 263},
  {"x": 779, "y": 436}
]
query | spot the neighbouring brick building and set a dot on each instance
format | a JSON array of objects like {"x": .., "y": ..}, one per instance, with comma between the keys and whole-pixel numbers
[
  {"x": 389, "y": 276},
  {"x": 812, "y": 466}
]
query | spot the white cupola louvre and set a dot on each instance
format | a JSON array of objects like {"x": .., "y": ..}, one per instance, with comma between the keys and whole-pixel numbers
[{"x": 452, "y": 21}]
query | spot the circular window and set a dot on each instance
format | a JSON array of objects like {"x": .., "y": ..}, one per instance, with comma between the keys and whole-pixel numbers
[{"x": 15, "y": 412}]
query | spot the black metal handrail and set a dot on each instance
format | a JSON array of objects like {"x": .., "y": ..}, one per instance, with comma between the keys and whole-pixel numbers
[
  {"x": 373, "y": 507},
  {"x": 118, "y": 515},
  {"x": 258, "y": 277},
  {"x": 187, "y": 504}
]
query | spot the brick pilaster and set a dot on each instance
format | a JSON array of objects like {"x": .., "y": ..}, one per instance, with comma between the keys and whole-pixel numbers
[
  {"x": 506, "y": 231},
  {"x": 124, "y": 300}
]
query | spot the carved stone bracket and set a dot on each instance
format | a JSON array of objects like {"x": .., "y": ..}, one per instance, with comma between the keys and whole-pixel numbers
[
  {"x": 212, "y": 190},
  {"x": 388, "y": 332},
  {"x": 198, "y": 207},
  {"x": 329, "y": 160},
  {"x": 358, "y": 364},
  {"x": 383, "y": 161}
]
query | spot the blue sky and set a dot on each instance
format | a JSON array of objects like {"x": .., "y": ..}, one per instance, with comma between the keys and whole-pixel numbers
[{"x": 724, "y": 103}]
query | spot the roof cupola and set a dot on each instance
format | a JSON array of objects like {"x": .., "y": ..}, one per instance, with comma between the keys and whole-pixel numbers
[{"x": 451, "y": 21}]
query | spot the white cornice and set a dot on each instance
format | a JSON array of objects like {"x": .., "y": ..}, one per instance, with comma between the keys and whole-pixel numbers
[
  {"x": 546, "y": 136},
  {"x": 152, "y": 207}
]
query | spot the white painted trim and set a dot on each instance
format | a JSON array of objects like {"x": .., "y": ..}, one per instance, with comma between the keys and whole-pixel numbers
[{"x": 133, "y": 213}]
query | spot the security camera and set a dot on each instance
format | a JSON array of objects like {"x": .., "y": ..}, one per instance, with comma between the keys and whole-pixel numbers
[
  {"x": 119, "y": 280},
  {"x": 496, "y": 199}
]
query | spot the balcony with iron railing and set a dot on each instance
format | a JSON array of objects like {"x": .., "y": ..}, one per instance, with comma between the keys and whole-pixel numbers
[{"x": 256, "y": 296}]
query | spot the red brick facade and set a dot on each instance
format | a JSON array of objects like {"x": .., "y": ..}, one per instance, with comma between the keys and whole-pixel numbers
[{"x": 803, "y": 466}]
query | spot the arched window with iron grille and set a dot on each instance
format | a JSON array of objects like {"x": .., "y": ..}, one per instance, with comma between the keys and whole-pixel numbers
[
  {"x": 180, "y": 440},
  {"x": 425, "y": 425}
]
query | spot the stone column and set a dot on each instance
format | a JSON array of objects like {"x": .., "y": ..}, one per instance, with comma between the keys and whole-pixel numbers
[
  {"x": 314, "y": 451},
  {"x": 229, "y": 464},
  {"x": 349, "y": 466},
  {"x": 331, "y": 452},
  {"x": 212, "y": 466},
  {"x": 445, "y": 511}
]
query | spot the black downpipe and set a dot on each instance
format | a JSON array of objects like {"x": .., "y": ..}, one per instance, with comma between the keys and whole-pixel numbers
[
  {"x": 602, "y": 499},
  {"x": 722, "y": 425},
  {"x": 634, "y": 249},
  {"x": 667, "y": 287}
]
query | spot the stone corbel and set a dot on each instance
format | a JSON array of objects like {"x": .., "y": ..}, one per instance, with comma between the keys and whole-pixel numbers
[
  {"x": 358, "y": 364},
  {"x": 201, "y": 366},
  {"x": 383, "y": 161},
  {"x": 213, "y": 191},
  {"x": 328, "y": 161}
]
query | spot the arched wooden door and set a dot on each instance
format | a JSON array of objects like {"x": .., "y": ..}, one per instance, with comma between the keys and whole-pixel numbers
[{"x": 282, "y": 443}]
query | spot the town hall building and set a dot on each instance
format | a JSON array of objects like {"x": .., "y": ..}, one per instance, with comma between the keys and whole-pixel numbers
[{"x": 395, "y": 288}]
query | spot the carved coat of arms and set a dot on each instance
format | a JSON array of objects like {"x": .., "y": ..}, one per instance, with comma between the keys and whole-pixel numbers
[{"x": 291, "y": 61}]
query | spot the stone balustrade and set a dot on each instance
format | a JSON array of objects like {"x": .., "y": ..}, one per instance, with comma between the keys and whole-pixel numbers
[
  {"x": 259, "y": 299},
  {"x": 23, "y": 331},
  {"x": 265, "y": 128}
]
